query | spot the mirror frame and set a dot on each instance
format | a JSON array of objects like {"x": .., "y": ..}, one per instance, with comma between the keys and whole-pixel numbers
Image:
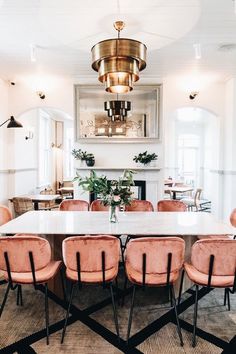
[{"x": 157, "y": 118}]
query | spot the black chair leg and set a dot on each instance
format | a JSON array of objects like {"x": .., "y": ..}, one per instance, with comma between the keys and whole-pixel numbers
[
  {"x": 228, "y": 298},
  {"x": 195, "y": 318},
  {"x": 225, "y": 296},
  {"x": 68, "y": 312},
  {"x": 115, "y": 312},
  {"x": 4, "y": 299},
  {"x": 46, "y": 313},
  {"x": 21, "y": 296},
  {"x": 131, "y": 314},
  {"x": 124, "y": 289},
  {"x": 63, "y": 284},
  {"x": 181, "y": 287},
  {"x": 176, "y": 314},
  {"x": 19, "y": 301},
  {"x": 170, "y": 296}
]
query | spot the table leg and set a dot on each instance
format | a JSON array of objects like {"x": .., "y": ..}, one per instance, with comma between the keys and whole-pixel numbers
[
  {"x": 55, "y": 284},
  {"x": 174, "y": 195}
]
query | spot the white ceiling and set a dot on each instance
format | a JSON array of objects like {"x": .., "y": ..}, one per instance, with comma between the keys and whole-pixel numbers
[{"x": 65, "y": 30}]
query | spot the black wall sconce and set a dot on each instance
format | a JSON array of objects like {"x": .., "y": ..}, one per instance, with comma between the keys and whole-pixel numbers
[{"x": 12, "y": 123}]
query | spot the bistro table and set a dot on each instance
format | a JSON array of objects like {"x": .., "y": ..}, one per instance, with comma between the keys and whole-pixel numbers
[
  {"x": 57, "y": 225},
  {"x": 40, "y": 198},
  {"x": 176, "y": 190}
]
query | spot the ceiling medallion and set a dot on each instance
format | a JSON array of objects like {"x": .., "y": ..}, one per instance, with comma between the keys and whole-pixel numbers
[
  {"x": 118, "y": 61},
  {"x": 117, "y": 110}
]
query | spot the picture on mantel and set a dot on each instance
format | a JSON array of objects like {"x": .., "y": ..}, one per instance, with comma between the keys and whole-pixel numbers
[{"x": 100, "y": 125}]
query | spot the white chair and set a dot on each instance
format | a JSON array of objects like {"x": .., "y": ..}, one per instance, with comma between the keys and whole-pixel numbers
[{"x": 193, "y": 204}]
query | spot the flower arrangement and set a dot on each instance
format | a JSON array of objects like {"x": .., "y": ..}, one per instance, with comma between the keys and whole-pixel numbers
[
  {"x": 113, "y": 193},
  {"x": 145, "y": 158}
]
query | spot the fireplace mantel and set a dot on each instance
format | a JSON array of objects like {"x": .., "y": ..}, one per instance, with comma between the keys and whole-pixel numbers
[{"x": 153, "y": 176}]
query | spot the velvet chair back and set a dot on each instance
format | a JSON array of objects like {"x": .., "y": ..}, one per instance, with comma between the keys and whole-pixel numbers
[
  {"x": 139, "y": 205},
  {"x": 74, "y": 205},
  {"x": 156, "y": 250},
  {"x": 97, "y": 205},
  {"x": 5, "y": 215},
  {"x": 233, "y": 218},
  {"x": 171, "y": 205},
  {"x": 18, "y": 248},
  {"x": 90, "y": 249},
  {"x": 224, "y": 251}
]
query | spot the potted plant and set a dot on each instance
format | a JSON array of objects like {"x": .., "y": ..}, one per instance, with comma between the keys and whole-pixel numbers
[
  {"x": 90, "y": 160},
  {"x": 145, "y": 158},
  {"x": 83, "y": 156},
  {"x": 113, "y": 193}
]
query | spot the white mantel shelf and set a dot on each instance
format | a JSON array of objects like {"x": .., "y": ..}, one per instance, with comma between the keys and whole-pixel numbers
[{"x": 105, "y": 168}]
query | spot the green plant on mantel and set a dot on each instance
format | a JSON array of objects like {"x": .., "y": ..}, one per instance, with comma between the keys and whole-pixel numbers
[
  {"x": 82, "y": 155},
  {"x": 112, "y": 193},
  {"x": 145, "y": 158}
]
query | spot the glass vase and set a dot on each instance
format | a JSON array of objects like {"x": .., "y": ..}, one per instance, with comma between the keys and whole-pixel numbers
[{"x": 113, "y": 213}]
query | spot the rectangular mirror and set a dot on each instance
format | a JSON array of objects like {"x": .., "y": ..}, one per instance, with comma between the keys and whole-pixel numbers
[{"x": 94, "y": 125}]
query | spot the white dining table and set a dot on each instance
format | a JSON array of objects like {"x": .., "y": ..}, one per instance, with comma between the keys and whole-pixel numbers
[
  {"x": 129, "y": 223},
  {"x": 57, "y": 225}
]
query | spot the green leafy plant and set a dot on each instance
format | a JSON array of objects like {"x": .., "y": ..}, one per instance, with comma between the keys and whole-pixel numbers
[
  {"x": 82, "y": 155},
  {"x": 145, "y": 158},
  {"x": 114, "y": 193}
]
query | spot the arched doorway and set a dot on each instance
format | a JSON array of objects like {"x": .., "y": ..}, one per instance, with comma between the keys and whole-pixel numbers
[
  {"x": 41, "y": 151},
  {"x": 192, "y": 149}
]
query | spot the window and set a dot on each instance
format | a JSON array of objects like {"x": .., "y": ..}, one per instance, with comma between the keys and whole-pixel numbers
[
  {"x": 44, "y": 171},
  {"x": 68, "y": 160},
  {"x": 189, "y": 158}
]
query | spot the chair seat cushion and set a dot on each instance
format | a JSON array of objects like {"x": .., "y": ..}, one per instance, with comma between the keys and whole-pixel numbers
[
  {"x": 151, "y": 279},
  {"x": 42, "y": 275},
  {"x": 92, "y": 277},
  {"x": 218, "y": 281}
]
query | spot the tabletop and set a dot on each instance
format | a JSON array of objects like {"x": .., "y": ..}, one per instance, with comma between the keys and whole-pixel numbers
[
  {"x": 129, "y": 223},
  {"x": 43, "y": 197},
  {"x": 179, "y": 189}
]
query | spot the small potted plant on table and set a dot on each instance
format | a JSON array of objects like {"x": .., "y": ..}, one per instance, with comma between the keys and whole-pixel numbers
[{"x": 144, "y": 158}]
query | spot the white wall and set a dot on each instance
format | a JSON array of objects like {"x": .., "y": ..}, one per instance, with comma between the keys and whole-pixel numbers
[
  {"x": 214, "y": 97},
  {"x": 4, "y": 158}
]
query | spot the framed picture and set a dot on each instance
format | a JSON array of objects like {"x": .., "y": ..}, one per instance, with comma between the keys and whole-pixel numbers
[{"x": 141, "y": 124}]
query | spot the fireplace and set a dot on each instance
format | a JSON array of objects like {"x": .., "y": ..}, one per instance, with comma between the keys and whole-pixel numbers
[{"x": 149, "y": 182}]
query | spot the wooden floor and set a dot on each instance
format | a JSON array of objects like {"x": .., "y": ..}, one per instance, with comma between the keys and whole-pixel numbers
[{"x": 19, "y": 322}]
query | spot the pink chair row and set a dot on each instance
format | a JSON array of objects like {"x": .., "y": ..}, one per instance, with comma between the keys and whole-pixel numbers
[
  {"x": 136, "y": 205},
  {"x": 149, "y": 261}
]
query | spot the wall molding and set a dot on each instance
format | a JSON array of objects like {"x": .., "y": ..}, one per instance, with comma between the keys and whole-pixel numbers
[
  {"x": 224, "y": 172},
  {"x": 13, "y": 171}
]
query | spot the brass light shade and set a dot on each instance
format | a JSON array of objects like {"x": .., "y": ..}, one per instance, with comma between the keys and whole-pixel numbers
[
  {"x": 117, "y": 110},
  {"x": 118, "y": 61}
]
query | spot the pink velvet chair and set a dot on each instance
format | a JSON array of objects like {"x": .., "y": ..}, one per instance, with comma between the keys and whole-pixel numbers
[
  {"x": 97, "y": 205},
  {"x": 91, "y": 260},
  {"x": 74, "y": 205},
  {"x": 213, "y": 265},
  {"x": 26, "y": 259},
  {"x": 153, "y": 261},
  {"x": 139, "y": 205},
  {"x": 171, "y": 205},
  {"x": 233, "y": 219},
  {"x": 5, "y": 215}
]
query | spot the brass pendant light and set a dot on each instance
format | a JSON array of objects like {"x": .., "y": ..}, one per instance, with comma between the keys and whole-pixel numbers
[
  {"x": 118, "y": 61},
  {"x": 117, "y": 110}
]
